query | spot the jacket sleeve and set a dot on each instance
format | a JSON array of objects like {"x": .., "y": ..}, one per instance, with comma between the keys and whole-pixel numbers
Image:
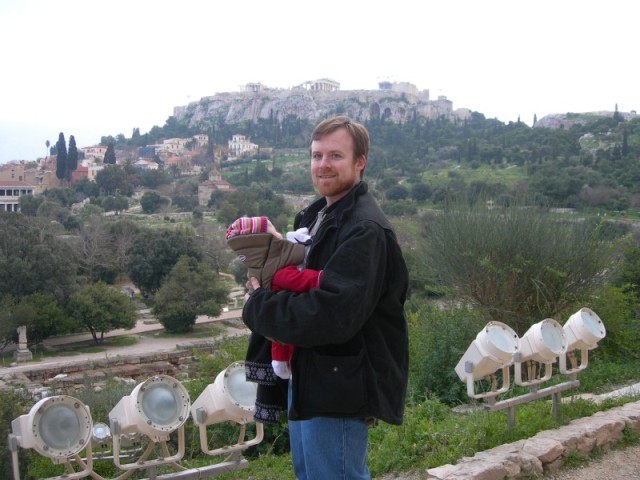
[
  {"x": 294, "y": 280},
  {"x": 352, "y": 281}
]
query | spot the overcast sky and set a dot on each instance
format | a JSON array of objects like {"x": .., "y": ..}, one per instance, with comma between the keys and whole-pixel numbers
[{"x": 90, "y": 68}]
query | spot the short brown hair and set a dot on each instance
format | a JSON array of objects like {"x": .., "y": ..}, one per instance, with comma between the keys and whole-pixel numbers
[{"x": 357, "y": 131}]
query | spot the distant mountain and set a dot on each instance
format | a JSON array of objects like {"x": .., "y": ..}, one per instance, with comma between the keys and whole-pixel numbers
[
  {"x": 272, "y": 104},
  {"x": 568, "y": 120},
  {"x": 399, "y": 103}
]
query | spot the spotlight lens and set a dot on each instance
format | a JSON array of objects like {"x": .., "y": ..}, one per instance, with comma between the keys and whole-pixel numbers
[
  {"x": 242, "y": 392},
  {"x": 160, "y": 404},
  {"x": 591, "y": 323},
  {"x": 60, "y": 427},
  {"x": 101, "y": 431},
  {"x": 500, "y": 338},
  {"x": 551, "y": 337}
]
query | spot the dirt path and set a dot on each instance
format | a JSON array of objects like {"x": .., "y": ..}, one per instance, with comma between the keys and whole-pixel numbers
[
  {"x": 613, "y": 465},
  {"x": 147, "y": 342}
]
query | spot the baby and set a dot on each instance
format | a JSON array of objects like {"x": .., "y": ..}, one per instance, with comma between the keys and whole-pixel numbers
[{"x": 277, "y": 264}]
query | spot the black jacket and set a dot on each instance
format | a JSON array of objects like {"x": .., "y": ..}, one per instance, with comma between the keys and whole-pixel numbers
[{"x": 350, "y": 335}]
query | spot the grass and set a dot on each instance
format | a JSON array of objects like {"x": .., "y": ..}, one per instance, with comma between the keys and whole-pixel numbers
[
  {"x": 432, "y": 435},
  {"x": 508, "y": 175},
  {"x": 199, "y": 331},
  {"x": 82, "y": 348}
]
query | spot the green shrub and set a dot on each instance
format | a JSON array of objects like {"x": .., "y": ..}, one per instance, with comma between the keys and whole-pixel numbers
[
  {"x": 617, "y": 307},
  {"x": 438, "y": 337},
  {"x": 13, "y": 404},
  {"x": 518, "y": 265}
]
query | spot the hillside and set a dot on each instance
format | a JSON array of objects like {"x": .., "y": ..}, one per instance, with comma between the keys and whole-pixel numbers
[{"x": 310, "y": 105}]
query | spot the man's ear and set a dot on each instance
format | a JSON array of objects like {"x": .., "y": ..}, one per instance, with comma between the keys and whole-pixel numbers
[{"x": 361, "y": 162}]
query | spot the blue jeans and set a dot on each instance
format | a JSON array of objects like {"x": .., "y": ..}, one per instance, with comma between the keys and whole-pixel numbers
[{"x": 324, "y": 448}]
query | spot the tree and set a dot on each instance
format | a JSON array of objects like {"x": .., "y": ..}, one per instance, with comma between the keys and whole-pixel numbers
[
  {"x": 61, "y": 159},
  {"x": 95, "y": 252},
  {"x": 153, "y": 255},
  {"x": 29, "y": 204},
  {"x": 151, "y": 201},
  {"x": 397, "y": 192},
  {"x": 518, "y": 265},
  {"x": 421, "y": 192},
  {"x": 41, "y": 314},
  {"x": 115, "y": 204},
  {"x": 100, "y": 309},
  {"x": 72, "y": 157},
  {"x": 113, "y": 179},
  {"x": 123, "y": 234},
  {"x": 86, "y": 188},
  {"x": 210, "y": 238},
  {"x": 33, "y": 260},
  {"x": 110, "y": 155},
  {"x": 189, "y": 290}
]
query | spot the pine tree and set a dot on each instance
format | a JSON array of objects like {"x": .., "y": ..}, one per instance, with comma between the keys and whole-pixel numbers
[
  {"x": 625, "y": 142},
  {"x": 61, "y": 161},
  {"x": 72, "y": 157},
  {"x": 110, "y": 155},
  {"x": 617, "y": 116}
]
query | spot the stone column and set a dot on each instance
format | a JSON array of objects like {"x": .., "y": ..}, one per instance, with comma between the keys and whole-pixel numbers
[{"x": 22, "y": 354}]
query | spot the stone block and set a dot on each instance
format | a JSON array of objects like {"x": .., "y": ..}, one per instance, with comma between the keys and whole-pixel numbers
[{"x": 546, "y": 450}]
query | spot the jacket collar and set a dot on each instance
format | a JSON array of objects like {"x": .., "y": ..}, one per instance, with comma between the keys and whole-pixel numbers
[{"x": 339, "y": 208}]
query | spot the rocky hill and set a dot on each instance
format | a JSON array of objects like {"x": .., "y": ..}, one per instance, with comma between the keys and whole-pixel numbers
[
  {"x": 361, "y": 105},
  {"x": 568, "y": 120}
]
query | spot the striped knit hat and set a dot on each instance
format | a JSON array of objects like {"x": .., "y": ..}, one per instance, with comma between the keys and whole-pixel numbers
[{"x": 246, "y": 225}]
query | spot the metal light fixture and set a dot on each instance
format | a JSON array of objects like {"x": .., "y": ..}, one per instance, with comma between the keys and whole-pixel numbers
[
  {"x": 583, "y": 331},
  {"x": 57, "y": 427},
  {"x": 229, "y": 398},
  {"x": 101, "y": 435},
  {"x": 541, "y": 344},
  {"x": 491, "y": 351},
  {"x": 156, "y": 408}
]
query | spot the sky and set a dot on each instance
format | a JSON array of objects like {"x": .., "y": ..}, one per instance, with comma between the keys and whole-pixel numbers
[{"x": 92, "y": 68}]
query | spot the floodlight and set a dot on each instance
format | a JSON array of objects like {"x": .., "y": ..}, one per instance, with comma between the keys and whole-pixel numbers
[
  {"x": 101, "y": 433},
  {"x": 155, "y": 408},
  {"x": 492, "y": 350},
  {"x": 583, "y": 330},
  {"x": 543, "y": 343},
  {"x": 229, "y": 398},
  {"x": 57, "y": 427}
]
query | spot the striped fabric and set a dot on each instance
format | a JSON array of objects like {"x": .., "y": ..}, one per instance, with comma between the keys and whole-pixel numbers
[{"x": 246, "y": 225}]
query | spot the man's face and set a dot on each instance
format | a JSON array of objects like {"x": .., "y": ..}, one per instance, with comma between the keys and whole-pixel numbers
[{"x": 334, "y": 171}]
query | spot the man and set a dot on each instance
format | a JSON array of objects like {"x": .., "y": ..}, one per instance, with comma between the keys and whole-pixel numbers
[{"x": 350, "y": 363}]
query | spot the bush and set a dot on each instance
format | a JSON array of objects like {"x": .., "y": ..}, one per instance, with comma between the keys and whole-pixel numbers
[
  {"x": 520, "y": 265},
  {"x": 438, "y": 337},
  {"x": 617, "y": 307},
  {"x": 13, "y": 405}
]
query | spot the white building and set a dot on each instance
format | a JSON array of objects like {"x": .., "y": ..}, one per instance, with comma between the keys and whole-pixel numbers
[
  {"x": 239, "y": 145},
  {"x": 10, "y": 193}
]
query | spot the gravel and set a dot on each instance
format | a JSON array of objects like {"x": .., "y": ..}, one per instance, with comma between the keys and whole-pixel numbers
[{"x": 612, "y": 465}]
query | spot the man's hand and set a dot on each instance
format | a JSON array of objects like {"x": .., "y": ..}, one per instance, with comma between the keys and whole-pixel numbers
[{"x": 251, "y": 285}]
